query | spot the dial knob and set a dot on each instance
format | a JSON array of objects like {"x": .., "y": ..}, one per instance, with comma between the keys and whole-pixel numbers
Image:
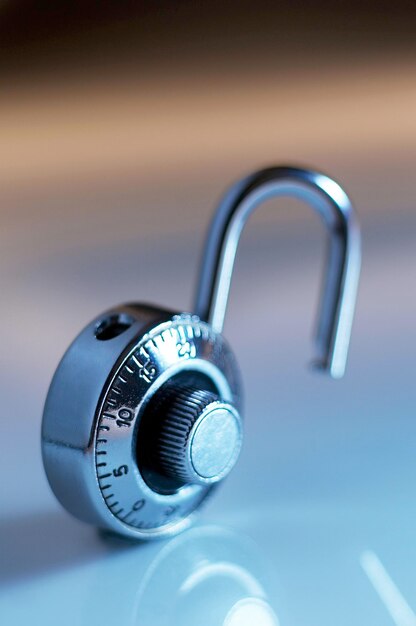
[{"x": 199, "y": 436}]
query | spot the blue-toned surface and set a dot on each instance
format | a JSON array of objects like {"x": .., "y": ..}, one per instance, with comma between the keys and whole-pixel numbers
[{"x": 320, "y": 512}]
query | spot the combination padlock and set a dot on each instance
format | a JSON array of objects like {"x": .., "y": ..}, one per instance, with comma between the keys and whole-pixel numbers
[{"x": 143, "y": 415}]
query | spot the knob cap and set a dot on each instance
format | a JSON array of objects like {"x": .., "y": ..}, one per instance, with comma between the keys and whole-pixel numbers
[{"x": 200, "y": 436}]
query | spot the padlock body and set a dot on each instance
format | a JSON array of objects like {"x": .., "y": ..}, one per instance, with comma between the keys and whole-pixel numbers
[{"x": 99, "y": 402}]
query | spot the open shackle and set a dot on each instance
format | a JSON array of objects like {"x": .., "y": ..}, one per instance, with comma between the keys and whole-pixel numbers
[
  {"x": 144, "y": 415},
  {"x": 331, "y": 202}
]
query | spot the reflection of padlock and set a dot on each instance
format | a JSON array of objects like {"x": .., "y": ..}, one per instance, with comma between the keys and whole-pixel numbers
[
  {"x": 142, "y": 417},
  {"x": 208, "y": 575}
]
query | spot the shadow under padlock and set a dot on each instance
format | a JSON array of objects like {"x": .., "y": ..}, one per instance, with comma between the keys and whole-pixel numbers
[{"x": 144, "y": 414}]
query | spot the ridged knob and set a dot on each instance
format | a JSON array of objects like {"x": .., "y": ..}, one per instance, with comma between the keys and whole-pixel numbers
[{"x": 199, "y": 438}]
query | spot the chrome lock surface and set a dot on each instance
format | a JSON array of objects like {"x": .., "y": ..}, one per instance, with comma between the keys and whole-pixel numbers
[{"x": 143, "y": 417}]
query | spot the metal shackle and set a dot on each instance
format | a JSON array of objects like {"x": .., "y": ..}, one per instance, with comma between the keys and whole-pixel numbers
[{"x": 331, "y": 202}]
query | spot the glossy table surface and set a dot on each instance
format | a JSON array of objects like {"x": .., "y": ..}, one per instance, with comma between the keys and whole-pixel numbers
[{"x": 315, "y": 525}]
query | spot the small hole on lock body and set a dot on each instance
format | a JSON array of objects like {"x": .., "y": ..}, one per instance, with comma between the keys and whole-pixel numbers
[
  {"x": 112, "y": 326},
  {"x": 149, "y": 427}
]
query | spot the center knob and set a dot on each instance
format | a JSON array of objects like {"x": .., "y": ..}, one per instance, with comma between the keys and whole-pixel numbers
[{"x": 199, "y": 436}]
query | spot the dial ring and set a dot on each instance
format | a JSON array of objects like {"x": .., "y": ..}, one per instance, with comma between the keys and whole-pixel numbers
[{"x": 129, "y": 504}]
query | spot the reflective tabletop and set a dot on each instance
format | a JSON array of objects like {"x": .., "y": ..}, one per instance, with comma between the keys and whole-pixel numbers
[{"x": 315, "y": 525}]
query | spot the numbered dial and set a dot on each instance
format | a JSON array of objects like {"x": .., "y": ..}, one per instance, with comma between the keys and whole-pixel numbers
[{"x": 167, "y": 428}]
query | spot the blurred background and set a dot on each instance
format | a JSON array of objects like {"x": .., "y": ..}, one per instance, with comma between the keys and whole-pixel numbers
[{"x": 121, "y": 125}]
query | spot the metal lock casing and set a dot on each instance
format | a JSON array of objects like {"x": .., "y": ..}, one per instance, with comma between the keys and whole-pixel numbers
[{"x": 88, "y": 457}]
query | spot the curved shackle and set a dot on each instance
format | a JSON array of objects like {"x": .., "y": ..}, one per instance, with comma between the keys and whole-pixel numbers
[{"x": 330, "y": 201}]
